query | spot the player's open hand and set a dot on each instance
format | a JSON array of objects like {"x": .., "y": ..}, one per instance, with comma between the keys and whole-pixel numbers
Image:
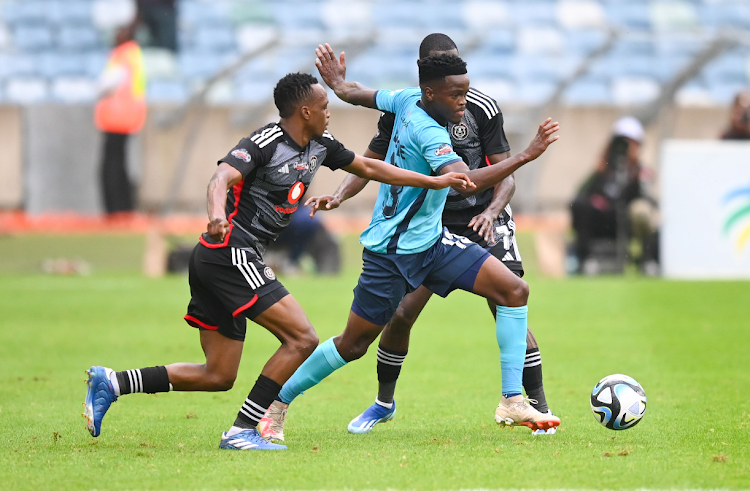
[
  {"x": 457, "y": 180},
  {"x": 323, "y": 203},
  {"x": 218, "y": 228},
  {"x": 484, "y": 223},
  {"x": 332, "y": 69},
  {"x": 544, "y": 137}
]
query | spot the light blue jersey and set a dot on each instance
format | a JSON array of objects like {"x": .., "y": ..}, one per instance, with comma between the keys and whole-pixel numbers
[{"x": 407, "y": 220}]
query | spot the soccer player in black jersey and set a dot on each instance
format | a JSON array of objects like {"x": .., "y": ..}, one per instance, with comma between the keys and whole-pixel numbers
[
  {"x": 251, "y": 197},
  {"x": 485, "y": 218}
]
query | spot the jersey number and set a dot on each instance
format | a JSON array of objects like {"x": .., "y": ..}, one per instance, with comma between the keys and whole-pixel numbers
[{"x": 390, "y": 207}]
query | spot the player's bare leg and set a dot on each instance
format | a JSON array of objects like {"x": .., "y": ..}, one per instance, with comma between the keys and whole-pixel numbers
[{"x": 498, "y": 284}]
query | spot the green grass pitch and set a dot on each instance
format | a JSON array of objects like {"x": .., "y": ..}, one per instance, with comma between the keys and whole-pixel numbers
[{"x": 686, "y": 343}]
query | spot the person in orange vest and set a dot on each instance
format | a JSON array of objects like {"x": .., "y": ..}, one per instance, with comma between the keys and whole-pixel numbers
[{"x": 120, "y": 112}]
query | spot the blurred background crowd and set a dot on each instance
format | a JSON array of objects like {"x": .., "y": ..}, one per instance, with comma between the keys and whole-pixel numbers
[{"x": 122, "y": 106}]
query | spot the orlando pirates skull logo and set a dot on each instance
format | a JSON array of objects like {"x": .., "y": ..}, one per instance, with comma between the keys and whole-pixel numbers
[{"x": 460, "y": 131}]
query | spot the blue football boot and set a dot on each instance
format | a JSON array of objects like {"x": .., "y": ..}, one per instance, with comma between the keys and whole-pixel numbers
[
  {"x": 373, "y": 415},
  {"x": 99, "y": 396},
  {"x": 248, "y": 440}
]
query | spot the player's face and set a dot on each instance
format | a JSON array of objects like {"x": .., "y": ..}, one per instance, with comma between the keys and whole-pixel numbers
[
  {"x": 318, "y": 110},
  {"x": 449, "y": 97}
]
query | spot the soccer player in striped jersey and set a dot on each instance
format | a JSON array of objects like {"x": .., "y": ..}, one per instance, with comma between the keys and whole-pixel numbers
[
  {"x": 251, "y": 197},
  {"x": 406, "y": 247},
  {"x": 486, "y": 218}
]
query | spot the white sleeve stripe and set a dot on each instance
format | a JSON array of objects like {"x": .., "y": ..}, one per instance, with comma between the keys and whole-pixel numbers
[
  {"x": 479, "y": 96},
  {"x": 487, "y": 110},
  {"x": 270, "y": 139},
  {"x": 264, "y": 133},
  {"x": 328, "y": 135}
]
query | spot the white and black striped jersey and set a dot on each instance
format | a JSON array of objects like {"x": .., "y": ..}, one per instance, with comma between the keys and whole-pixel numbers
[
  {"x": 276, "y": 173},
  {"x": 479, "y": 134}
]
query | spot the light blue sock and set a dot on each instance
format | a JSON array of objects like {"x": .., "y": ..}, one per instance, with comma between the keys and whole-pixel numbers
[
  {"x": 511, "y": 337},
  {"x": 324, "y": 361}
]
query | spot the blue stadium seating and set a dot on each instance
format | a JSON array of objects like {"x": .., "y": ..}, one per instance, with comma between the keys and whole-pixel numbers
[{"x": 33, "y": 37}]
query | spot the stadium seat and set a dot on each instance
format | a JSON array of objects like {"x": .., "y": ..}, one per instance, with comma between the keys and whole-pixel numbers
[
  {"x": 723, "y": 94},
  {"x": 4, "y": 38},
  {"x": 588, "y": 92},
  {"x": 26, "y": 90},
  {"x": 535, "y": 93},
  {"x": 487, "y": 63},
  {"x": 74, "y": 90},
  {"x": 61, "y": 63},
  {"x": 66, "y": 12},
  {"x": 254, "y": 92},
  {"x": 303, "y": 36},
  {"x": 503, "y": 90},
  {"x": 166, "y": 92},
  {"x": 217, "y": 37},
  {"x": 678, "y": 44},
  {"x": 22, "y": 12},
  {"x": 630, "y": 15},
  {"x": 78, "y": 37},
  {"x": 673, "y": 15},
  {"x": 482, "y": 17},
  {"x": 221, "y": 94},
  {"x": 634, "y": 43},
  {"x": 581, "y": 14},
  {"x": 408, "y": 14},
  {"x": 33, "y": 38},
  {"x": 203, "y": 64},
  {"x": 15, "y": 65},
  {"x": 584, "y": 41},
  {"x": 694, "y": 94},
  {"x": 94, "y": 63},
  {"x": 348, "y": 20},
  {"x": 300, "y": 15},
  {"x": 159, "y": 64},
  {"x": 532, "y": 40},
  {"x": 716, "y": 15},
  {"x": 110, "y": 14},
  {"x": 500, "y": 40},
  {"x": 730, "y": 68},
  {"x": 532, "y": 13},
  {"x": 668, "y": 67},
  {"x": 631, "y": 91}
]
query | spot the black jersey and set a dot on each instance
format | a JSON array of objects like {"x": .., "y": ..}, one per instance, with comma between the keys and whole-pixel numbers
[
  {"x": 479, "y": 134},
  {"x": 276, "y": 173}
]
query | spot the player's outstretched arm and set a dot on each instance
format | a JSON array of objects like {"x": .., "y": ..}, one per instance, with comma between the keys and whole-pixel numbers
[
  {"x": 377, "y": 170},
  {"x": 333, "y": 72},
  {"x": 489, "y": 176},
  {"x": 223, "y": 179}
]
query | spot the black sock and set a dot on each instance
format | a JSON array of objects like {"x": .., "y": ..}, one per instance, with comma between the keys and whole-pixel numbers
[
  {"x": 389, "y": 368},
  {"x": 149, "y": 380},
  {"x": 261, "y": 396},
  {"x": 532, "y": 379}
]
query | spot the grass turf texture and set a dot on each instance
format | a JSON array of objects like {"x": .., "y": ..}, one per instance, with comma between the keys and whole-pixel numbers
[{"x": 686, "y": 343}]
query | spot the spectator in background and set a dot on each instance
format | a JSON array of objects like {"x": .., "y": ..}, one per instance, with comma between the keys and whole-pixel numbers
[
  {"x": 739, "y": 122},
  {"x": 617, "y": 181},
  {"x": 120, "y": 112},
  {"x": 160, "y": 17},
  {"x": 306, "y": 235}
]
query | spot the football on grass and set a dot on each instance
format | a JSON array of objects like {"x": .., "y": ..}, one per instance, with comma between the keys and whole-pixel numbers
[{"x": 618, "y": 402}]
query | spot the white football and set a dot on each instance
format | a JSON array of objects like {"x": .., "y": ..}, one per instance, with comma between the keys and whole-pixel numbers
[{"x": 618, "y": 402}]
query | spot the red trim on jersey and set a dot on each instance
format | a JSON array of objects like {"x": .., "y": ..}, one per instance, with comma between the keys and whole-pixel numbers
[
  {"x": 237, "y": 191},
  {"x": 192, "y": 320},
  {"x": 487, "y": 158},
  {"x": 245, "y": 307}
]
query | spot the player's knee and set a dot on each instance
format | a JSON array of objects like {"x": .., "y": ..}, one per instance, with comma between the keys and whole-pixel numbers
[
  {"x": 305, "y": 341},
  {"x": 519, "y": 295},
  {"x": 402, "y": 321},
  {"x": 221, "y": 382},
  {"x": 355, "y": 351}
]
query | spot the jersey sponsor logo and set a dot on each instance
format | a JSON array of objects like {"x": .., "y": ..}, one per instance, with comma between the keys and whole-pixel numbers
[
  {"x": 300, "y": 166},
  {"x": 313, "y": 163},
  {"x": 269, "y": 273},
  {"x": 242, "y": 154},
  {"x": 443, "y": 149},
  {"x": 296, "y": 192},
  {"x": 286, "y": 211},
  {"x": 460, "y": 131}
]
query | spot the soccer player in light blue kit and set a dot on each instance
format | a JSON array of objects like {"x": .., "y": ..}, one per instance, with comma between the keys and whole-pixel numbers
[{"x": 405, "y": 245}]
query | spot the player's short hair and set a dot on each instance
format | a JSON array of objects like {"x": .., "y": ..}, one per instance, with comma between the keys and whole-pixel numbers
[
  {"x": 291, "y": 90},
  {"x": 437, "y": 67},
  {"x": 436, "y": 41}
]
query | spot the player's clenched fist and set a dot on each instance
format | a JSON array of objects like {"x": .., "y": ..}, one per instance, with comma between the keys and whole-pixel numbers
[{"x": 218, "y": 228}]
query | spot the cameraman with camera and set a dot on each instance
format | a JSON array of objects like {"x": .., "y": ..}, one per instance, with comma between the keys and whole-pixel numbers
[
  {"x": 611, "y": 207},
  {"x": 739, "y": 123}
]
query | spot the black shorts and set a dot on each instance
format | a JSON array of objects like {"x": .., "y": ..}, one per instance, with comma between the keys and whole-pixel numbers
[
  {"x": 227, "y": 285},
  {"x": 505, "y": 248}
]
